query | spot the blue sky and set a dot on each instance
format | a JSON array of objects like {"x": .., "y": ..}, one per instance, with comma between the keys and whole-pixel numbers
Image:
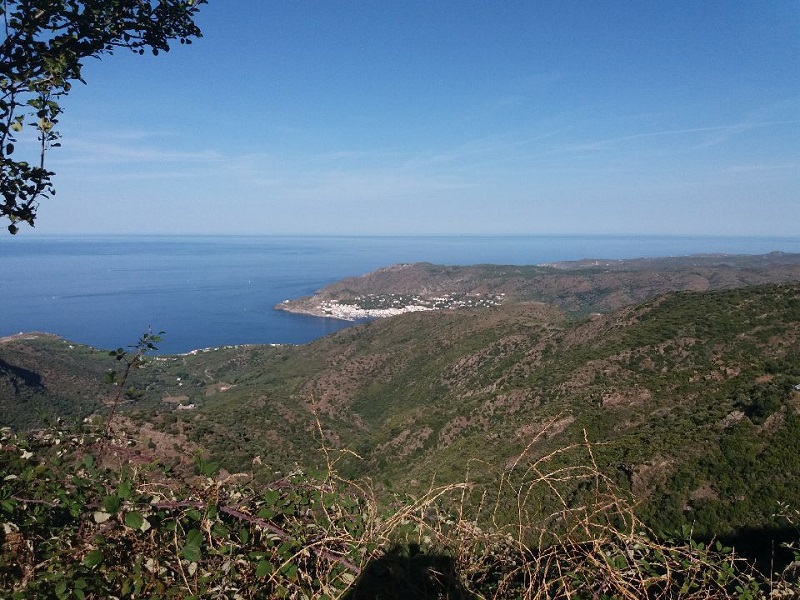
[{"x": 444, "y": 117}]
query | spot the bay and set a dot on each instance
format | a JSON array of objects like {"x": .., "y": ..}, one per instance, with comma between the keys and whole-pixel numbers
[{"x": 208, "y": 291}]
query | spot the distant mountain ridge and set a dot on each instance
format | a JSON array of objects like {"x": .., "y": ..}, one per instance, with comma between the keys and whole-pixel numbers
[{"x": 578, "y": 287}]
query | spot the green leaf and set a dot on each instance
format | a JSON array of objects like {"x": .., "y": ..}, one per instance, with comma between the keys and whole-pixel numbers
[
  {"x": 267, "y": 513},
  {"x": 194, "y": 514},
  {"x": 194, "y": 536},
  {"x": 111, "y": 504},
  {"x": 94, "y": 558},
  {"x": 61, "y": 589},
  {"x": 263, "y": 568},
  {"x": 134, "y": 520},
  {"x": 191, "y": 549},
  {"x": 88, "y": 461},
  {"x": 191, "y": 553},
  {"x": 271, "y": 496},
  {"x": 290, "y": 571},
  {"x": 219, "y": 531},
  {"x": 124, "y": 490},
  {"x": 207, "y": 468}
]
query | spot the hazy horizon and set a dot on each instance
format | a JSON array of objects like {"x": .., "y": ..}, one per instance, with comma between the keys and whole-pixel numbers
[{"x": 37, "y": 234}]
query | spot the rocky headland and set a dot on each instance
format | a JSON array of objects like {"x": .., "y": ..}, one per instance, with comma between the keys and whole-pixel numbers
[{"x": 578, "y": 287}]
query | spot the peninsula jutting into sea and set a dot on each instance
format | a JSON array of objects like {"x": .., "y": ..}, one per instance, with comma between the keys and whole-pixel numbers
[{"x": 590, "y": 285}]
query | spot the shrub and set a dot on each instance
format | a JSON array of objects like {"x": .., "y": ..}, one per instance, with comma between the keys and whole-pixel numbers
[{"x": 81, "y": 525}]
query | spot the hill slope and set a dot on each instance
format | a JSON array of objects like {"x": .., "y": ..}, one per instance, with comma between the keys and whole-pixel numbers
[
  {"x": 690, "y": 397},
  {"x": 691, "y": 393}
]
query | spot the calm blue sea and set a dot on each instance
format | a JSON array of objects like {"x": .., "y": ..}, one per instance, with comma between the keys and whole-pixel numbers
[{"x": 212, "y": 291}]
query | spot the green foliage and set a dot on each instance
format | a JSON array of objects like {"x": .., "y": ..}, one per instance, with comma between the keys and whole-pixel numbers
[
  {"x": 765, "y": 398},
  {"x": 40, "y": 59},
  {"x": 82, "y": 530},
  {"x": 74, "y": 528},
  {"x": 44, "y": 378}
]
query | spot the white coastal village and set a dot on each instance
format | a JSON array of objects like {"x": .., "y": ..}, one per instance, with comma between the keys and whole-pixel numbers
[{"x": 376, "y": 306}]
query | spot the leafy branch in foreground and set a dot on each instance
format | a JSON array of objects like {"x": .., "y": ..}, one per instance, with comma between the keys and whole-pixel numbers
[
  {"x": 72, "y": 528},
  {"x": 41, "y": 57}
]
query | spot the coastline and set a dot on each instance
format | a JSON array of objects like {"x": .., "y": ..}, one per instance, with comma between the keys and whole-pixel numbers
[{"x": 103, "y": 291}]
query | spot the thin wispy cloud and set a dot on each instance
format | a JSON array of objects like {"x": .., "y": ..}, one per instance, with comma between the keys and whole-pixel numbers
[
  {"x": 723, "y": 133},
  {"x": 481, "y": 151},
  {"x": 795, "y": 167}
]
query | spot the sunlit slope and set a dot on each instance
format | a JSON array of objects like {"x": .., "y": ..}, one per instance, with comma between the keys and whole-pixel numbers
[{"x": 690, "y": 398}]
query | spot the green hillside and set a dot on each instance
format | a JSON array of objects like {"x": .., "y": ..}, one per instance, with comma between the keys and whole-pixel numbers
[
  {"x": 684, "y": 408},
  {"x": 690, "y": 397}
]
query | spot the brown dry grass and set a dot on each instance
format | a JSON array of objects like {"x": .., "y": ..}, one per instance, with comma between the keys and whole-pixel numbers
[{"x": 596, "y": 548}]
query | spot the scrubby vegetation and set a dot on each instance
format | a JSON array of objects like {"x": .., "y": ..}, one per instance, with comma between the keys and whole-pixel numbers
[{"x": 85, "y": 520}]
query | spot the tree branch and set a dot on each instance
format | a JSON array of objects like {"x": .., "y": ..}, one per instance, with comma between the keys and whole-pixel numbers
[{"x": 265, "y": 524}]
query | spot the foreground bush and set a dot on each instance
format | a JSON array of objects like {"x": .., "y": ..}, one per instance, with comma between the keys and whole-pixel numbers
[{"x": 84, "y": 518}]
